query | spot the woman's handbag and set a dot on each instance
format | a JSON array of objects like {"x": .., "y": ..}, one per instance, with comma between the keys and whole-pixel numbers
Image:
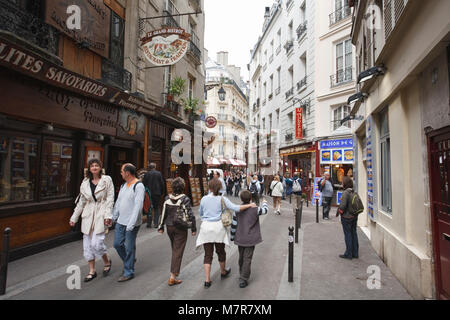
[
  {"x": 182, "y": 219},
  {"x": 227, "y": 215}
]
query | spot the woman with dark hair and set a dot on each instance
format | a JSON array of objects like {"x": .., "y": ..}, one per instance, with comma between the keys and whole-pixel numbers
[
  {"x": 177, "y": 235},
  {"x": 349, "y": 221},
  {"x": 95, "y": 204},
  {"x": 212, "y": 232}
]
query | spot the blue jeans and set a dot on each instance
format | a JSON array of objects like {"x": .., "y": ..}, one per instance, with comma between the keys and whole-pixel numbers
[
  {"x": 125, "y": 244},
  {"x": 351, "y": 237}
]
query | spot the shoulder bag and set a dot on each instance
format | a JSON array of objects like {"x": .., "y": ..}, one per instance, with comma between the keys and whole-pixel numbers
[{"x": 227, "y": 215}]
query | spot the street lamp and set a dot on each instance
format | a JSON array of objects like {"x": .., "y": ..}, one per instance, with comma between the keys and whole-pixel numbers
[
  {"x": 371, "y": 73},
  {"x": 222, "y": 94}
]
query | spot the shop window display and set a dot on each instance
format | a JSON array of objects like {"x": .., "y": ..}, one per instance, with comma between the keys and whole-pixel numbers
[
  {"x": 56, "y": 169},
  {"x": 18, "y": 168}
]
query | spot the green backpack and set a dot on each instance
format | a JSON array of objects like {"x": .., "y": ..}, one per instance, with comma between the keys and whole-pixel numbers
[{"x": 355, "y": 207}]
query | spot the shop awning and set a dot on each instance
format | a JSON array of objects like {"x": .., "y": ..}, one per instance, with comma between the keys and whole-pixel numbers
[
  {"x": 242, "y": 163},
  {"x": 213, "y": 162},
  {"x": 234, "y": 162}
]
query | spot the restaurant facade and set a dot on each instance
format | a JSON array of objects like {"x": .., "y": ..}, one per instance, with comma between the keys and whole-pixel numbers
[{"x": 59, "y": 111}]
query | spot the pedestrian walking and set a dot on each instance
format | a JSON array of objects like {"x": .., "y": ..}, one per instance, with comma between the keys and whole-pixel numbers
[
  {"x": 277, "y": 192},
  {"x": 95, "y": 204},
  {"x": 153, "y": 181},
  {"x": 230, "y": 184},
  {"x": 295, "y": 186},
  {"x": 283, "y": 182},
  {"x": 223, "y": 189},
  {"x": 177, "y": 233},
  {"x": 261, "y": 183},
  {"x": 237, "y": 184},
  {"x": 255, "y": 189},
  {"x": 349, "y": 221},
  {"x": 246, "y": 234},
  {"x": 212, "y": 232},
  {"x": 326, "y": 187},
  {"x": 128, "y": 216}
]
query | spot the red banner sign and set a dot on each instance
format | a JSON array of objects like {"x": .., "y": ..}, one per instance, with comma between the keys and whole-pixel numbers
[{"x": 299, "y": 124}]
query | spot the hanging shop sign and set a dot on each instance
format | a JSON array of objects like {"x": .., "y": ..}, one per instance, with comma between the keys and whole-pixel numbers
[
  {"x": 95, "y": 20},
  {"x": 299, "y": 124},
  {"x": 211, "y": 122},
  {"x": 25, "y": 62},
  {"x": 338, "y": 151},
  {"x": 165, "y": 47}
]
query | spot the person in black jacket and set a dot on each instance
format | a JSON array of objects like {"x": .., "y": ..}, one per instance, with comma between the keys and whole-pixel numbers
[
  {"x": 178, "y": 236},
  {"x": 154, "y": 181}
]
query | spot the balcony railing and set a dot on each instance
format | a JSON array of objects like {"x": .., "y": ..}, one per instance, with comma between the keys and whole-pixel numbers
[
  {"x": 170, "y": 11},
  {"x": 115, "y": 75},
  {"x": 302, "y": 83},
  {"x": 301, "y": 30},
  {"x": 339, "y": 15},
  {"x": 172, "y": 106},
  {"x": 29, "y": 27},
  {"x": 342, "y": 76},
  {"x": 194, "y": 46},
  {"x": 289, "y": 93},
  {"x": 289, "y": 46}
]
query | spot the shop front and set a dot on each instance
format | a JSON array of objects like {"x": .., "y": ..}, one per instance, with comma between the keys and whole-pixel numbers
[
  {"x": 337, "y": 158},
  {"x": 299, "y": 160},
  {"x": 52, "y": 121}
]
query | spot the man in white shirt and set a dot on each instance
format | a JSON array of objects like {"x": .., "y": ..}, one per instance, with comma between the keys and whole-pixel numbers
[{"x": 128, "y": 215}]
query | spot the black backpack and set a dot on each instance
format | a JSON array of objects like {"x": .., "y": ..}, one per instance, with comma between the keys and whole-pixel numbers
[
  {"x": 355, "y": 205},
  {"x": 253, "y": 189}
]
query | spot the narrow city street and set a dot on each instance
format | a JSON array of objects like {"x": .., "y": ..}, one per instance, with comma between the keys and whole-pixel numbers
[{"x": 318, "y": 271}]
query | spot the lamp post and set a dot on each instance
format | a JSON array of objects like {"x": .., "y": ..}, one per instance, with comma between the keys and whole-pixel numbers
[{"x": 222, "y": 94}]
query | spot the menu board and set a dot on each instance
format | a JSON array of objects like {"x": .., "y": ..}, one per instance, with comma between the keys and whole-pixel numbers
[
  {"x": 205, "y": 187},
  {"x": 195, "y": 190},
  {"x": 337, "y": 151},
  {"x": 169, "y": 186},
  {"x": 316, "y": 193}
]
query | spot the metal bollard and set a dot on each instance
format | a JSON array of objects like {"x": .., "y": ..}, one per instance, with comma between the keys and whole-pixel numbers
[
  {"x": 317, "y": 210},
  {"x": 296, "y": 224},
  {"x": 4, "y": 260},
  {"x": 290, "y": 198},
  {"x": 291, "y": 255},
  {"x": 307, "y": 198},
  {"x": 300, "y": 215}
]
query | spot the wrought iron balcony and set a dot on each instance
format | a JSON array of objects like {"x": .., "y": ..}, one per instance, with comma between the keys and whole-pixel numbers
[
  {"x": 302, "y": 83},
  {"x": 289, "y": 93},
  {"x": 171, "y": 106},
  {"x": 289, "y": 46},
  {"x": 301, "y": 30},
  {"x": 170, "y": 20},
  {"x": 339, "y": 15},
  {"x": 342, "y": 76},
  {"x": 28, "y": 27},
  {"x": 194, "y": 50},
  {"x": 115, "y": 75}
]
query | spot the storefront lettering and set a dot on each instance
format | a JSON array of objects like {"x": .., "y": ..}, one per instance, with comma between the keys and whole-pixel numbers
[
  {"x": 25, "y": 61},
  {"x": 89, "y": 117},
  {"x": 59, "y": 97}
]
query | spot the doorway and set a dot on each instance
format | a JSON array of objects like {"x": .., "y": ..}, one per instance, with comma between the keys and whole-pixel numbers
[
  {"x": 117, "y": 158},
  {"x": 439, "y": 157}
]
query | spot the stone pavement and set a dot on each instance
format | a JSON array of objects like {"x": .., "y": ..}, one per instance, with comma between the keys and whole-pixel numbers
[{"x": 319, "y": 273}]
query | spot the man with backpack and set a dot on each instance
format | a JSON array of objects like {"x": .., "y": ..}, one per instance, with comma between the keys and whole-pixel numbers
[
  {"x": 255, "y": 189},
  {"x": 326, "y": 187},
  {"x": 127, "y": 214},
  {"x": 351, "y": 206},
  {"x": 154, "y": 182},
  {"x": 295, "y": 189},
  {"x": 261, "y": 183}
]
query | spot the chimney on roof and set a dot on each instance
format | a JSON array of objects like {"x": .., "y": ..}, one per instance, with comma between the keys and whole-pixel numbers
[{"x": 222, "y": 58}]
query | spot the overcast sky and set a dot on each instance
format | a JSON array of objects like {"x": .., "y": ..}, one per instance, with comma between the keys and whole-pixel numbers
[{"x": 234, "y": 26}]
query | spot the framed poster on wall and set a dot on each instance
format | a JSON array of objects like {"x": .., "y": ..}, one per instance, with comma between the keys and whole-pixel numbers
[{"x": 94, "y": 153}]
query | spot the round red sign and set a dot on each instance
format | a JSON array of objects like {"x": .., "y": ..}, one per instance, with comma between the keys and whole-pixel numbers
[{"x": 211, "y": 122}]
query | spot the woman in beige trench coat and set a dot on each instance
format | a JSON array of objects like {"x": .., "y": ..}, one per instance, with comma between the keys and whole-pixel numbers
[{"x": 94, "y": 205}]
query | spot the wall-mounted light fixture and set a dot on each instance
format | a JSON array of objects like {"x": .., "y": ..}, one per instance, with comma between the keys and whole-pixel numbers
[
  {"x": 222, "y": 94},
  {"x": 49, "y": 127},
  {"x": 371, "y": 73},
  {"x": 357, "y": 97}
]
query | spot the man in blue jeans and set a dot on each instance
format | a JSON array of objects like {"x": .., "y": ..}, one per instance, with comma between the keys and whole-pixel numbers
[{"x": 128, "y": 215}]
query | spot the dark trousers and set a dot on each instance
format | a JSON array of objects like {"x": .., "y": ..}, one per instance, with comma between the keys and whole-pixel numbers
[
  {"x": 255, "y": 198},
  {"x": 351, "y": 237},
  {"x": 326, "y": 202},
  {"x": 178, "y": 239},
  {"x": 155, "y": 212},
  {"x": 245, "y": 262},
  {"x": 237, "y": 189},
  {"x": 209, "y": 252}
]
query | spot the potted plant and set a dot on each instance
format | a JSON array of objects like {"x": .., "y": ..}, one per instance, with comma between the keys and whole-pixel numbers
[
  {"x": 190, "y": 104},
  {"x": 176, "y": 88}
]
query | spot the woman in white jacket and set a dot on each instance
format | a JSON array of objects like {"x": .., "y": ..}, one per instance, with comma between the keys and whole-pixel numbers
[
  {"x": 277, "y": 192},
  {"x": 95, "y": 204}
]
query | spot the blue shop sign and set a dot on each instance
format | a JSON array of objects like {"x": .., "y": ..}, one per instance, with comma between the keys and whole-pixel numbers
[{"x": 336, "y": 144}]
